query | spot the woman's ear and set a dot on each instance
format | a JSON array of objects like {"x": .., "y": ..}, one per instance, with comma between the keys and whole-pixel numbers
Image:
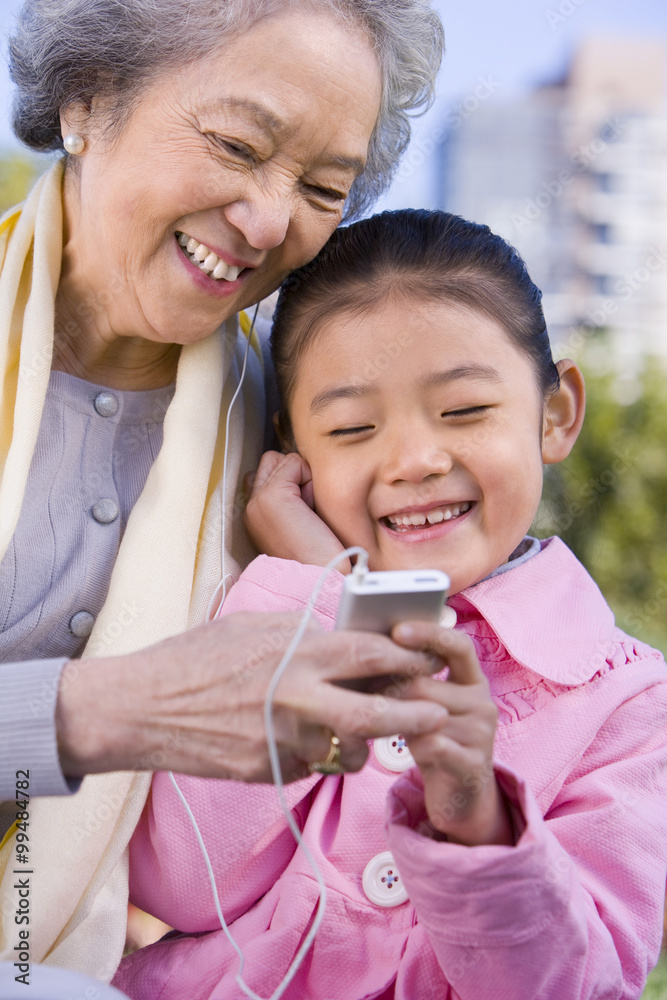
[
  {"x": 285, "y": 440},
  {"x": 74, "y": 118},
  {"x": 563, "y": 414}
]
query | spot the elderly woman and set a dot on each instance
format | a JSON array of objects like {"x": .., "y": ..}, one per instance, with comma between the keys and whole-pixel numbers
[{"x": 211, "y": 147}]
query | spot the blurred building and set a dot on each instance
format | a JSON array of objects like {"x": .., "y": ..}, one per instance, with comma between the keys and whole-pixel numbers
[{"x": 574, "y": 174}]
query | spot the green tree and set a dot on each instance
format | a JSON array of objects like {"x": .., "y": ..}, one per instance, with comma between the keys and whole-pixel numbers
[
  {"x": 608, "y": 502},
  {"x": 18, "y": 172}
]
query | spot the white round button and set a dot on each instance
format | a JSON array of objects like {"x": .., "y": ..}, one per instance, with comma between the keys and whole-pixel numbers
[
  {"x": 81, "y": 624},
  {"x": 105, "y": 403},
  {"x": 393, "y": 753},
  {"x": 448, "y": 617},
  {"x": 105, "y": 511},
  {"x": 381, "y": 881}
]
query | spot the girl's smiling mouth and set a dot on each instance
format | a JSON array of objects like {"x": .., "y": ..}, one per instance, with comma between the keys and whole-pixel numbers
[{"x": 416, "y": 521}]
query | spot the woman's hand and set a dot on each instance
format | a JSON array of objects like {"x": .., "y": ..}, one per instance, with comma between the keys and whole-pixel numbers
[
  {"x": 280, "y": 516},
  {"x": 462, "y": 796},
  {"x": 195, "y": 703}
]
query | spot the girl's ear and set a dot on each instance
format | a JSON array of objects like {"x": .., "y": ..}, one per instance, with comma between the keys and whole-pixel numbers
[
  {"x": 563, "y": 414},
  {"x": 286, "y": 442}
]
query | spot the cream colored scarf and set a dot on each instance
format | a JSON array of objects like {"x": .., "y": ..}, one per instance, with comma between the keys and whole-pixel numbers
[{"x": 168, "y": 566}]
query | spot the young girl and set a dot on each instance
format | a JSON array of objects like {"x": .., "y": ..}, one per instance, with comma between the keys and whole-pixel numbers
[{"x": 521, "y": 853}]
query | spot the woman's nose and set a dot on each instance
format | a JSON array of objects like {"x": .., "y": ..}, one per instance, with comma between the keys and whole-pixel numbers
[{"x": 262, "y": 216}]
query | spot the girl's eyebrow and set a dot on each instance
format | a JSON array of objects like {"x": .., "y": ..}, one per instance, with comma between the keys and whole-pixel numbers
[
  {"x": 322, "y": 399},
  {"x": 479, "y": 373}
]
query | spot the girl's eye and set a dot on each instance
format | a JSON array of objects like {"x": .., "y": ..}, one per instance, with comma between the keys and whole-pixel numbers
[
  {"x": 468, "y": 411},
  {"x": 349, "y": 431}
]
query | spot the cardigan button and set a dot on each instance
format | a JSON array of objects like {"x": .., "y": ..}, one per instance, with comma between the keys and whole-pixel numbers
[
  {"x": 105, "y": 403},
  {"x": 105, "y": 511},
  {"x": 393, "y": 753},
  {"x": 81, "y": 624},
  {"x": 381, "y": 881}
]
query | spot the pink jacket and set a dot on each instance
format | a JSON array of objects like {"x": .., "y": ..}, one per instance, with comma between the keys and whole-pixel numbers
[{"x": 573, "y": 911}]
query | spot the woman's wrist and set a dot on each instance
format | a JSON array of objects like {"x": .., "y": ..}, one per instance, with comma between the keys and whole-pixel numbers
[{"x": 94, "y": 717}]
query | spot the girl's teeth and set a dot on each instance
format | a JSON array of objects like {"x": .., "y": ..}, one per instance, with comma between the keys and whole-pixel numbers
[
  {"x": 206, "y": 260},
  {"x": 434, "y": 516}
]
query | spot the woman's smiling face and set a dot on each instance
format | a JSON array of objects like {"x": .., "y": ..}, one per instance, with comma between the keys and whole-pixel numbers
[
  {"x": 421, "y": 423},
  {"x": 249, "y": 152}
]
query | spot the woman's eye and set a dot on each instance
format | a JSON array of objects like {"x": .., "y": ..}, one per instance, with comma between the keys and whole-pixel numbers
[
  {"x": 468, "y": 411},
  {"x": 350, "y": 431},
  {"x": 328, "y": 195},
  {"x": 236, "y": 149}
]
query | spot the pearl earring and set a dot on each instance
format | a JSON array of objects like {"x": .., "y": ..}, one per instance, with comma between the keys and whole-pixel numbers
[{"x": 74, "y": 144}]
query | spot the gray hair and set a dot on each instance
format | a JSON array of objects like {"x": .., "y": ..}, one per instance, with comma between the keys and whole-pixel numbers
[{"x": 66, "y": 51}]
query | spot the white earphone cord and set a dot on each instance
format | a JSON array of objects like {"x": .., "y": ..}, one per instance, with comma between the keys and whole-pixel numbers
[
  {"x": 270, "y": 737},
  {"x": 223, "y": 580}
]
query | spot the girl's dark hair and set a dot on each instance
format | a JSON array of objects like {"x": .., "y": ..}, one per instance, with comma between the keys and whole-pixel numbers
[{"x": 442, "y": 256}]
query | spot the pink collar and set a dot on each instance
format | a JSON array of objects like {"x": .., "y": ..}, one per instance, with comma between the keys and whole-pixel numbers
[{"x": 548, "y": 613}]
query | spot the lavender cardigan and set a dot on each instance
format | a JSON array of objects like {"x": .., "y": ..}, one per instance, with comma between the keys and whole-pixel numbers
[{"x": 92, "y": 458}]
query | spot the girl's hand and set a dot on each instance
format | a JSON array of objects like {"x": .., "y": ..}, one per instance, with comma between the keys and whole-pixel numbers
[
  {"x": 280, "y": 516},
  {"x": 462, "y": 796}
]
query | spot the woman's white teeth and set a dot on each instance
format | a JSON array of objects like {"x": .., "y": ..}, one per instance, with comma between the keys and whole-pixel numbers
[
  {"x": 434, "y": 516},
  {"x": 228, "y": 271},
  {"x": 206, "y": 260}
]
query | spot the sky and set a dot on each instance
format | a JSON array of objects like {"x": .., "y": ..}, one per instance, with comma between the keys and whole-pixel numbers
[
  {"x": 507, "y": 47},
  {"x": 497, "y": 48}
]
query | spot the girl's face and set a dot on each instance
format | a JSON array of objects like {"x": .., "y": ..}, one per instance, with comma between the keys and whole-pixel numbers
[{"x": 421, "y": 423}]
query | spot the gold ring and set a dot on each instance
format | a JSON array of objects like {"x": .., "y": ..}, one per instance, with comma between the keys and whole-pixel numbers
[{"x": 332, "y": 764}]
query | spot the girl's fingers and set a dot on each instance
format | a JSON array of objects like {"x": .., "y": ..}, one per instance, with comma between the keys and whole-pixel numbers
[
  {"x": 458, "y": 699},
  {"x": 467, "y": 731},
  {"x": 276, "y": 469},
  {"x": 454, "y": 648},
  {"x": 440, "y": 751},
  {"x": 268, "y": 464}
]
